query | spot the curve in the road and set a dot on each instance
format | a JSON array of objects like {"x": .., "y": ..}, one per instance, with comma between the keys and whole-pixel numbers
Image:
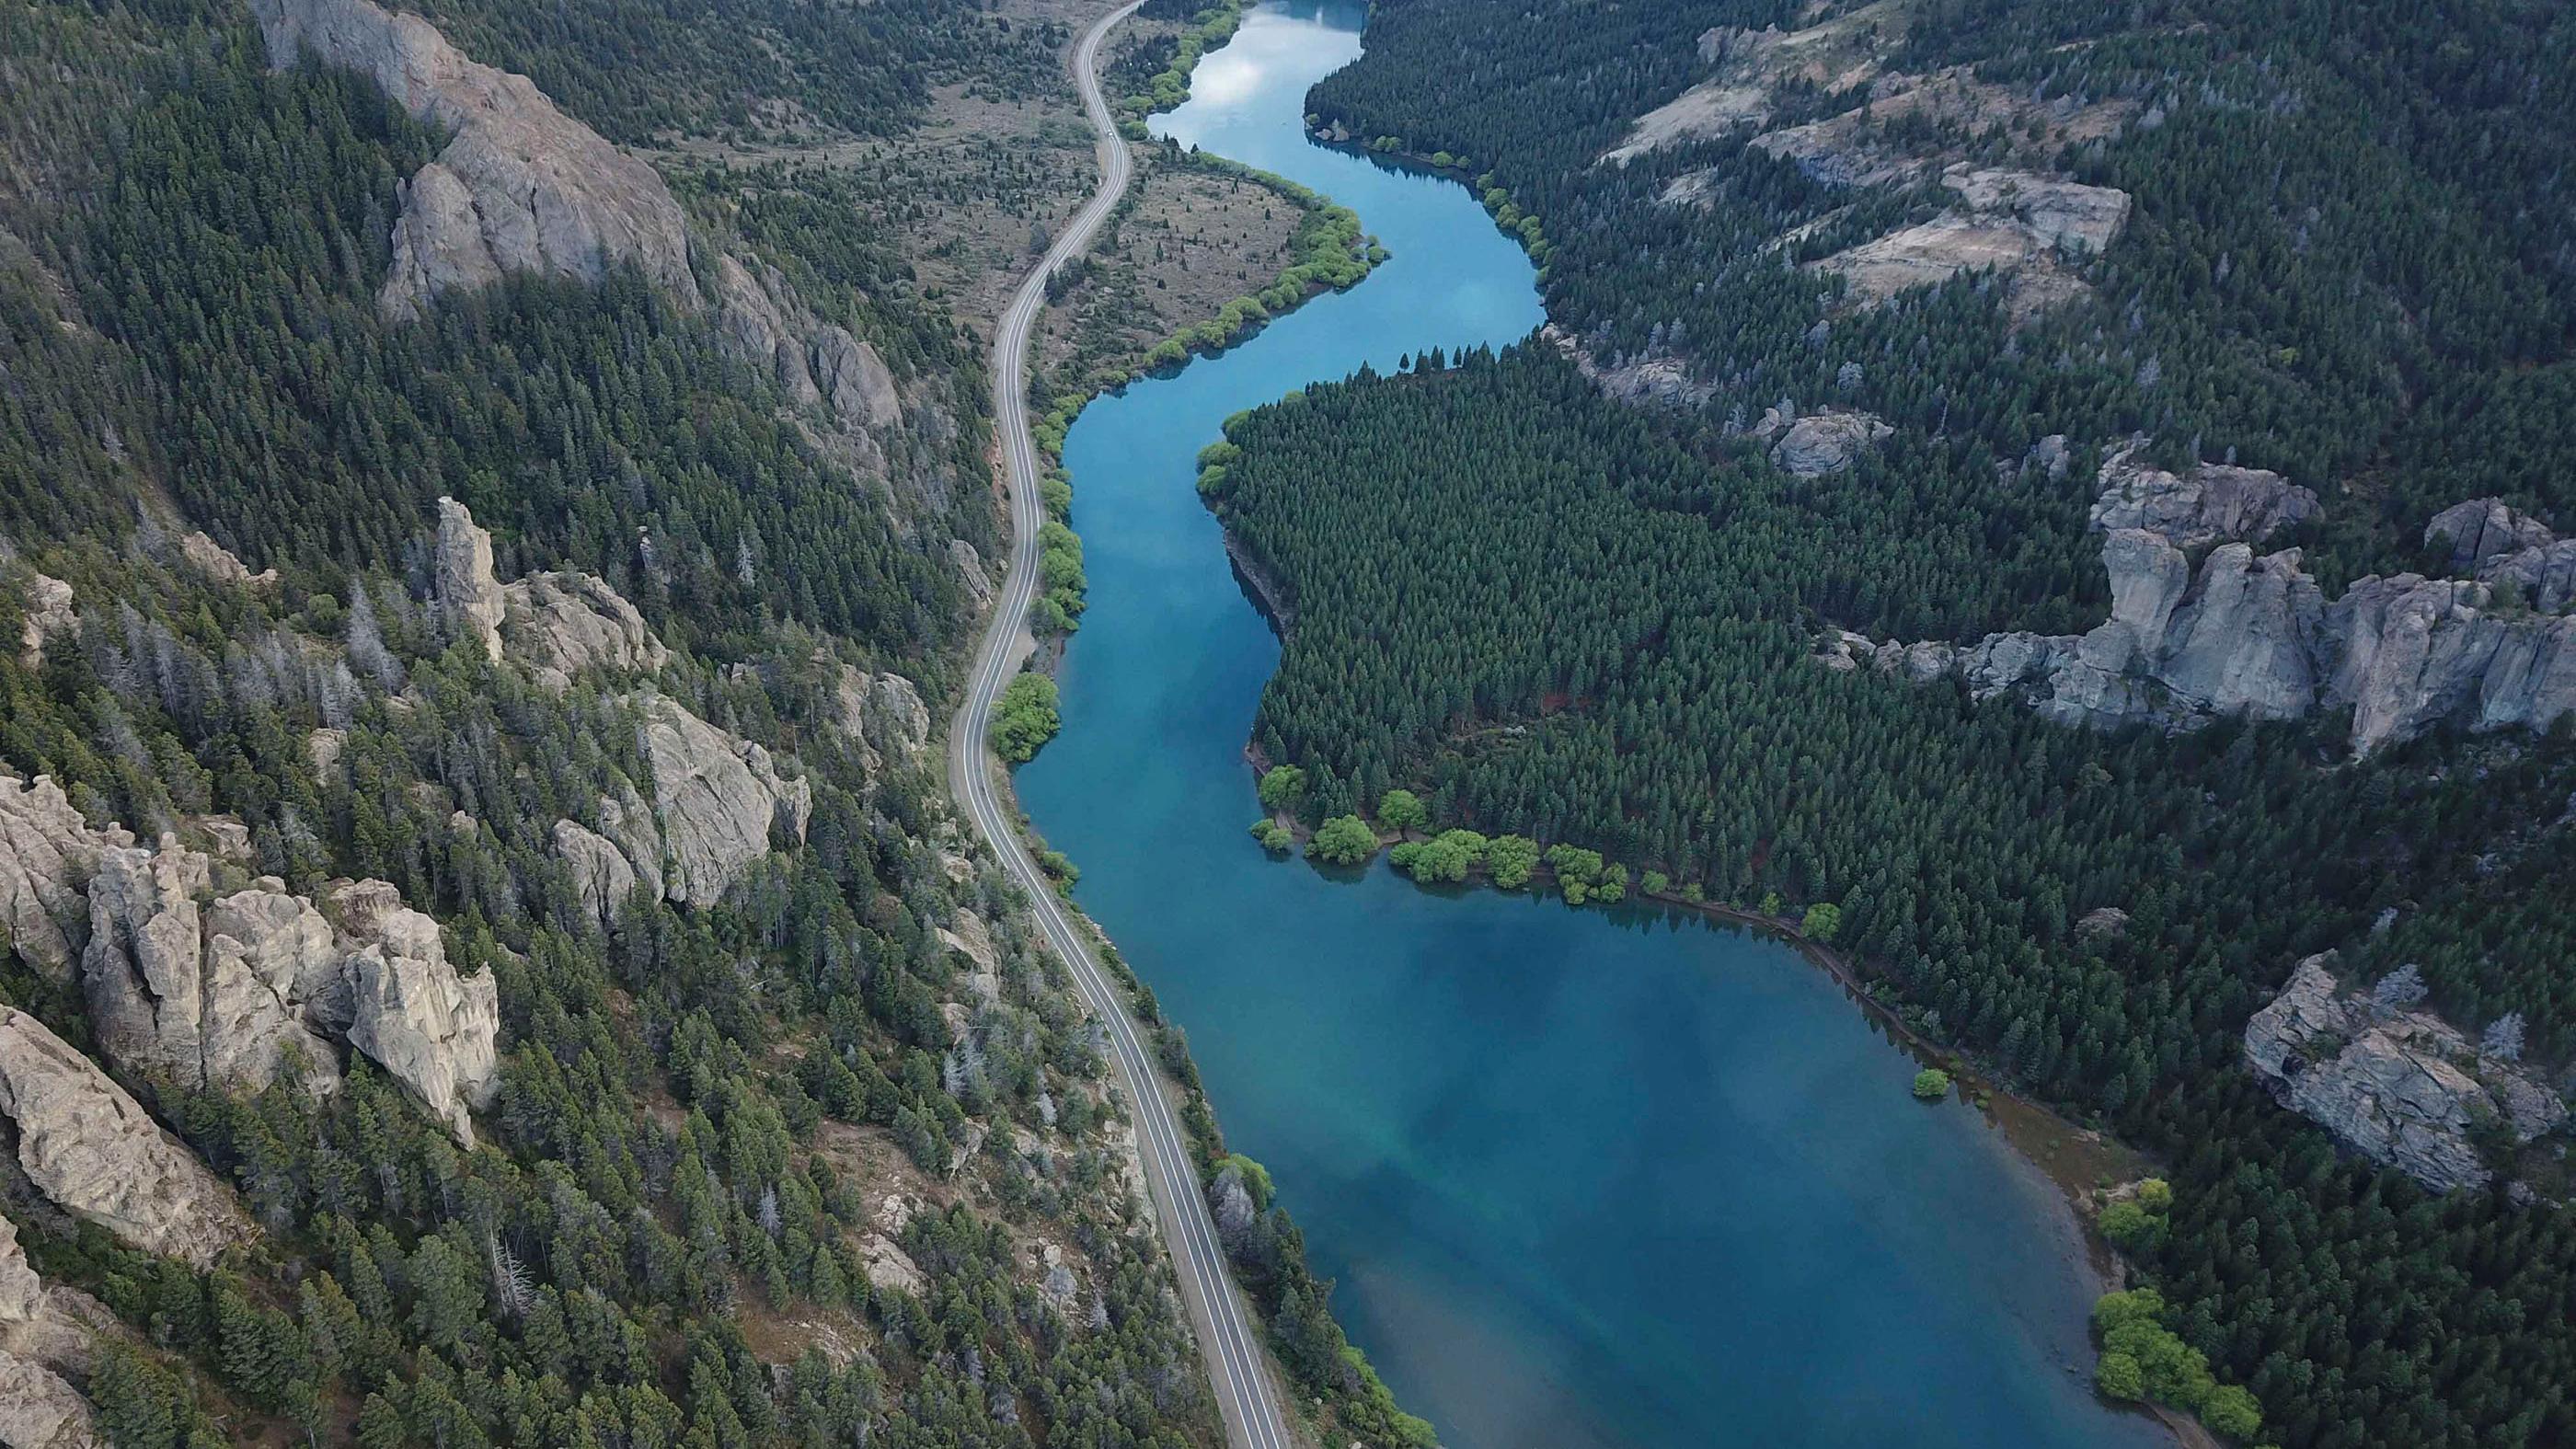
[{"x": 1235, "y": 1361}]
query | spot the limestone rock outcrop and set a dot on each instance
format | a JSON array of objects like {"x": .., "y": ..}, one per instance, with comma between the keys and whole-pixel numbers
[
  {"x": 42, "y": 1337},
  {"x": 469, "y": 598},
  {"x": 434, "y": 1031},
  {"x": 94, "y": 1152},
  {"x": 2211, "y": 502},
  {"x": 2015, "y": 222},
  {"x": 560, "y": 624},
  {"x": 717, "y": 798},
  {"x": 1827, "y": 442},
  {"x": 2400, "y": 1087},
  {"x": 49, "y": 615},
  {"x": 602, "y": 877},
  {"x": 2253, "y": 635},
  {"x": 213, "y": 996},
  {"x": 47, "y": 854},
  {"x": 520, "y": 186},
  {"x": 200, "y": 552}
]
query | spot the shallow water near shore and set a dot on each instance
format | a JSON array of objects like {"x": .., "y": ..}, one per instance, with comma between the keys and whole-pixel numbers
[{"x": 1585, "y": 1177}]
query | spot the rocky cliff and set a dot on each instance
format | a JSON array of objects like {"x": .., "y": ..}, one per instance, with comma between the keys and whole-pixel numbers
[
  {"x": 2253, "y": 635},
  {"x": 44, "y": 1335},
  {"x": 2026, "y": 222},
  {"x": 90, "y": 1149},
  {"x": 217, "y": 988},
  {"x": 2399, "y": 1086},
  {"x": 718, "y": 799},
  {"x": 430, "y": 1028},
  {"x": 522, "y": 187}
]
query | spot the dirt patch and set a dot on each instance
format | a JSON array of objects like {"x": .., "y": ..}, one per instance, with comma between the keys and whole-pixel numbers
[
  {"x": 975, "y": 192},
  {"x": 1188, "y": 242}
]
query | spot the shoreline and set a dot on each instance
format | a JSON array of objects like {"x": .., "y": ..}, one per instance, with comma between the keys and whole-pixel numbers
[{"x": 2076, "y": 1160}]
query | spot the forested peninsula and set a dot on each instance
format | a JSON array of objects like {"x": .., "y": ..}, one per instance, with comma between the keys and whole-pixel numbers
[{"x": 2075, "y": 492}]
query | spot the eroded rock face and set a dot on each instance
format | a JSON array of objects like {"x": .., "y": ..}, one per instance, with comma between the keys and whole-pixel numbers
[
  {"x": 47, "y": 854},
  {"x": 520, "y": 187},
  {"x": 39, "y": 1409},
  {"x": 469, "y": 597},
  {"x": 759, "y": 330},
  {"x": 434, "y": 1031},
  {"x": 560, "y": 624},
  {"x": 717, "y": 798},
  {"x": 49, "y": 615},
  {"x": 603, "y": 878},
  {"x": 2211, "y": 502},
  {"x": 2017, "y": 222},
  {"x": 855, "y": 379},
  {"x": 970, "y": 571},
  {"x": 2483, "y": 529},
  {"x": 2400, "y": 1087},
  {"x": 2252, "y": 635},
  {"x": 44, "y": 1335},
  {"x": 1827, "y": 442},
  {"x": 213, "y": 996},
  {"x": 2512, "y": 551},
  {"x": 93, "y": 1151},
  {"x": 882, "y": 712},
  {"x": 216, "y": 562}
]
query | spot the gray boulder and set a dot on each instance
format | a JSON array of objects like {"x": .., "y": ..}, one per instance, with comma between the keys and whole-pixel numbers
[
  {"x": 431, "y": 1030},
  {"x": 562, "y": 624},
  {"x": 602, "y": 877},
  {"x": 93, "y": 1152},
  {"x": 717, "y": 797},
  {"x": 1827, "y": 442},
  {"x": 2400, "y": 1087},
  {"x": 2211, "y": 502}
]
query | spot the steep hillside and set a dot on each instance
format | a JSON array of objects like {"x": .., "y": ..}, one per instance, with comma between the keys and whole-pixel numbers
[{"x": 487, "y": 957}]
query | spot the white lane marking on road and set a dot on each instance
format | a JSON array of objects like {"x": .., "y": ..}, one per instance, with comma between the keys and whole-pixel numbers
[{"x": 1235, "y": 1367}]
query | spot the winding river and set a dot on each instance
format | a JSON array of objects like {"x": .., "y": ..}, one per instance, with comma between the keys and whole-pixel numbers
[{"x": 1584, "y": 1177}]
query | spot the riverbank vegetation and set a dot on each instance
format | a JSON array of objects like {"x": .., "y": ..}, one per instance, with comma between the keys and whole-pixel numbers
[
  {"x": 1025, "y": 717},
  {"x": 1590, "y": 624},
  {"x": 1154, "y": 75}
]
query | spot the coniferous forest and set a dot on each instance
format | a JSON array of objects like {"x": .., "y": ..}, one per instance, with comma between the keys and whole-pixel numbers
[
  {"x": 1591, "y": 620},
  {"x": 832, "y": 1157}
]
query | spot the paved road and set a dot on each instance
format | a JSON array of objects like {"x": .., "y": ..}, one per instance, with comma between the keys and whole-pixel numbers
[{"x": 1244, "y": 1392}]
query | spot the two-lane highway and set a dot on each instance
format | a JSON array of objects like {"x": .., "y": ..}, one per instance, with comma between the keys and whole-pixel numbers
[{"x": 1232, "y": 1348}]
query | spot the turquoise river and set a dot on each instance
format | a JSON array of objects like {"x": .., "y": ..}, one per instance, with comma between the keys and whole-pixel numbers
[{"x": 1584, "y": 1177}]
